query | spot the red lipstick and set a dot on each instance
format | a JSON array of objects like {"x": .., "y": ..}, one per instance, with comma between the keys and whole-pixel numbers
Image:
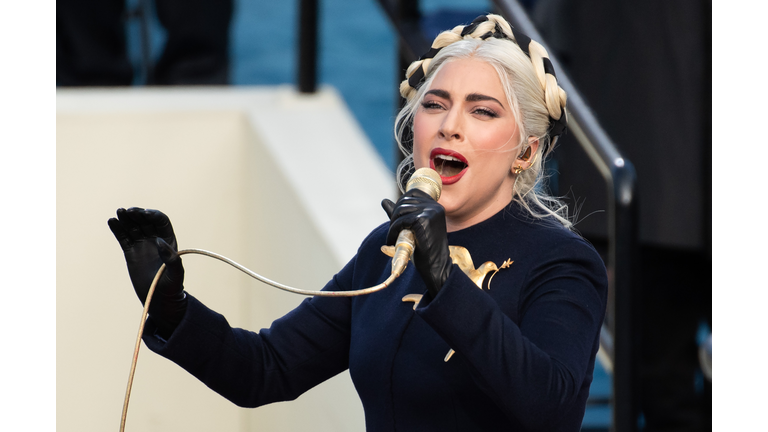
[{"x": 441, "y": 151}]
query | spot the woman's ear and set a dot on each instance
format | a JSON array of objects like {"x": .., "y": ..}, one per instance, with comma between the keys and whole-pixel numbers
[
  {"x": 533, "y": 146},
  {"x": 524, "y": 160}
]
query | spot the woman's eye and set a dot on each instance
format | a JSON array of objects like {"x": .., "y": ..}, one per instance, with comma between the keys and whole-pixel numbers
[
  {"x": 486, "y": 112},
  {"x": 430, "y": 105}
]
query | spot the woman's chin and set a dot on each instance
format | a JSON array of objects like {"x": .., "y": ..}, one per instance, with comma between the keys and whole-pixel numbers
[{"x": 453, "y": 211}]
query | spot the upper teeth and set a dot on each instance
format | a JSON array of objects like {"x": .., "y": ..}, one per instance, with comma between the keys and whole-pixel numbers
[{"x": 446, "y": 157}]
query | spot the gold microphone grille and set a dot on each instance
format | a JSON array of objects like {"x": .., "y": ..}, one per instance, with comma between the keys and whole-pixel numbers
[{"x": 427, "y": 181}]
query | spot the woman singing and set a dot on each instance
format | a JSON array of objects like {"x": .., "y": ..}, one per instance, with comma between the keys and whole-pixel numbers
[{"x": 494, "y": 325}]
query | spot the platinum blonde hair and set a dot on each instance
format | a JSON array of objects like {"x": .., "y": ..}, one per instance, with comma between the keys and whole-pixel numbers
[{"x": 533, "y": 95}]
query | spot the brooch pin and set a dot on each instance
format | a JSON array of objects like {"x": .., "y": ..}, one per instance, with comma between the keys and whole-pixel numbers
[{"x": 461, "y": 257}]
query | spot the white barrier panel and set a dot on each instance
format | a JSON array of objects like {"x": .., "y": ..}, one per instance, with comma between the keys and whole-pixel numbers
[{"x": 285, "y": 184}]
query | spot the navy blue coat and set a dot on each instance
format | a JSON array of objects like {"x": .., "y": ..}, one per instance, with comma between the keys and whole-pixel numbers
[{"x": 525, "y": 345}]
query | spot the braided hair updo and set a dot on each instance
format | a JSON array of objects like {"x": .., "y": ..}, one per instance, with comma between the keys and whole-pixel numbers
[{"x": 529, "y": 83}]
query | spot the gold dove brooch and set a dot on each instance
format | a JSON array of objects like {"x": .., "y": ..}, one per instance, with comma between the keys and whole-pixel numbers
[{"x": 461, "y": 257}]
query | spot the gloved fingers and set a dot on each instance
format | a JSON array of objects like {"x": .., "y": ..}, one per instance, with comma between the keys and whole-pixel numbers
[
  {"x": 143, "y": 224},
  {"x": 417, "y": 193},
  {"x": 416, "y": 196},
  {"x": 411, "y": 210},
  {"x": 406, "y": 205},
  {"x": 399, "y": 223},
  {"x": 120, "y": 233},
  {"x": 131, "y": 220},
  {"x": 161, "y": 226},
  {"x": 420, "y": 225},
  {"x": 167, "y": 254},
  {"x": 174, "y": 271},
  {"x": 141, "y": 217},
  {"x": 412, "y": 196},
  {"x": 388, "y": 207},
  {"x": 404, "y": 209}
]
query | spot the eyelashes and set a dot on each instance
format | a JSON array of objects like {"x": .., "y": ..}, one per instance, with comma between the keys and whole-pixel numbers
[
  {"x": 486, "y": 112},
  {"x": 483, "y": 111},
  {"x": 430, "y": 105}
]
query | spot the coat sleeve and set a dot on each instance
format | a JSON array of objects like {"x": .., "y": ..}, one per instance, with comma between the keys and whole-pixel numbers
[
  {"x": 300, "y": 350},
  {"x": 534, "y": 369}
]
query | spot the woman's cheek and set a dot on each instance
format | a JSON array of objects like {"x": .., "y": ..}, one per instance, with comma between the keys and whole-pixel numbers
[{"x": 420, "y": 149}]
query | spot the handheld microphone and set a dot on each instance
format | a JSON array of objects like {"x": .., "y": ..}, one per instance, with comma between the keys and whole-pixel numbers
[
  {"x": 428, "y": 181},
  {"x": 424, "y": 179}
]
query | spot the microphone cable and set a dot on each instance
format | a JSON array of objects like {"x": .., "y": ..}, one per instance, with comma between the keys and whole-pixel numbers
[
  {"x": 424, "y": 179},
  {"x": 250, "y": 273}
]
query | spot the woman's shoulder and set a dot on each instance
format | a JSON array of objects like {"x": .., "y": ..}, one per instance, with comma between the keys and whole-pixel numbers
[
  {"x": 375, "y": 239},
  {"x": 549, "y": 230},
  {"x": 548, "y": 236},
  {"x": 550, "y": 250}
]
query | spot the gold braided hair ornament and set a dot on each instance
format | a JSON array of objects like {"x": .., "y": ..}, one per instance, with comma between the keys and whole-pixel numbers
[{"x": 495, "y": 26}]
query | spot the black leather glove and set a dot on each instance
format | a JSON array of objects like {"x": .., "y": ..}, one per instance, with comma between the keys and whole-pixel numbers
[
  {"x": 417, "y": 211},
  {"x": 147, "y": 239}
]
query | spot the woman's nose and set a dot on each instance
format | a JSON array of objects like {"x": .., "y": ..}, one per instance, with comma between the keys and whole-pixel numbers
[{"x": 450, "y": 128}]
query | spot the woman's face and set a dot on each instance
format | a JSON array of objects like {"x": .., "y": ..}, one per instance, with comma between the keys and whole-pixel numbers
[{"x": 466, "y": 131}]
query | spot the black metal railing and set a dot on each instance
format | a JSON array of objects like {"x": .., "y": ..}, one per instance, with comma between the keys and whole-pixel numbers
[{"x": 620, "y": 336}]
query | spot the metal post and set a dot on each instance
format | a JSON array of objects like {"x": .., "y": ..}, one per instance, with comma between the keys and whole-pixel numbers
[
  {"x": 626, "y": 303},
  {"x": 146, "y": 49},
  {"x": 142, "y": 12},
  {"x": 407, "y": 12},
  {"x": 307, "y": 62}
]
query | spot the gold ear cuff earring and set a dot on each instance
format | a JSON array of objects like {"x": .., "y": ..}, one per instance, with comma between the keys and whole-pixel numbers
[{"x": 518, "y": 169}]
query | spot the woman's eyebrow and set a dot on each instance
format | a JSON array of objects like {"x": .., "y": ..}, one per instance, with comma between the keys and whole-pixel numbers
[
  {"x": 472, "y": 97},
  {"x": 477, "y": 97},
  {"x": 440, "y": 93}
]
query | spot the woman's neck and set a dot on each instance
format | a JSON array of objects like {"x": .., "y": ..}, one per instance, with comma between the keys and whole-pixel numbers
[{"x": 457, "y": 222}]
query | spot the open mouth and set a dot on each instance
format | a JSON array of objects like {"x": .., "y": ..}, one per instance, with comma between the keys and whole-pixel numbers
[{"x": 450, "y": 165}]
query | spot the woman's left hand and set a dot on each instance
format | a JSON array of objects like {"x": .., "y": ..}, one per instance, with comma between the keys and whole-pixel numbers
[{"x": 421, "y": 214}]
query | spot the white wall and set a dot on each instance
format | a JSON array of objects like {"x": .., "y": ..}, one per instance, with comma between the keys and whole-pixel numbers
[{"x": 287, "y": 185}]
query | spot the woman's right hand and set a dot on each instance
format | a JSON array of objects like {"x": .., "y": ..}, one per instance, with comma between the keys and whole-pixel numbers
[
  {"x": 147, "y": 239},
  {"x": 421, "y": 214}
]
